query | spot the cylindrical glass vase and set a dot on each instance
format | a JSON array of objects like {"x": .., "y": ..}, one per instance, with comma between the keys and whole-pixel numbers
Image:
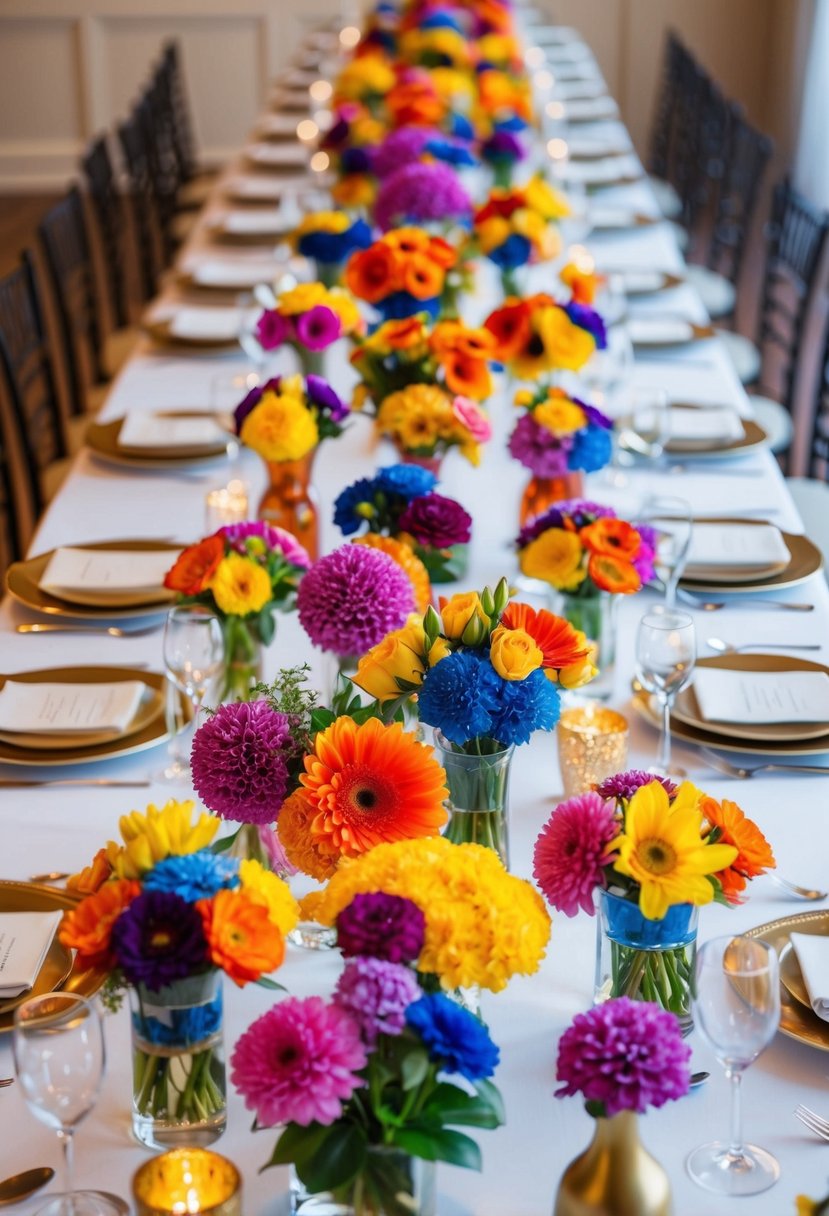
[
  {"x": 596, "y": 617},
  {"x": 391, "y": 1183},
  {"x": 290, "y": 501},
  {"x": 243, "y": 661},
  {"x": 478, "y": 802}
]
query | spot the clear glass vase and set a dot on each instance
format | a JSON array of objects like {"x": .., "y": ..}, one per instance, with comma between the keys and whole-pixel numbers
[
  {"x": 179, "y": 1090},
  {"x": 596, "y": 617},
  {"x": 478, "y": 802},
  {"x": 243, "y": 661},
  {"x": 646, "y": 960},
  {"x": 392, "y": 1183},
  {"x": 290, "y": 501}
]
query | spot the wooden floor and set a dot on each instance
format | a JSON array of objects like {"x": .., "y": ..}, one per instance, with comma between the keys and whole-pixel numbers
[{"x": 20, "y": 215}]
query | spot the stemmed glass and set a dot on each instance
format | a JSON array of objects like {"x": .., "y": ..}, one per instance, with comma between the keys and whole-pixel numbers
[
  {"x": 194, "y": 651},
  {"x": 59, "y": 1058},
  {"x": 736, "y": 999},
  {"x": 672, "y": 521},
  {"x": 666, "y": 651}
]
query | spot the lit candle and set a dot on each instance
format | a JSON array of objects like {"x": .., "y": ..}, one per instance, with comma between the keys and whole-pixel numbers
[
  {"x": 226, "y": 505},
  {"x": 185, "y": 1181}
]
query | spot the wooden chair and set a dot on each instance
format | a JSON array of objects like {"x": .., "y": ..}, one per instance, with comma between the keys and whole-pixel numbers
[
  {"x": 13, "y": 533},
  {"x": 108, "y": 210},
  {"x": 811, "y": 494},
  {"x": 194, "y": 180},
  {"x": 143, "y": 205}
]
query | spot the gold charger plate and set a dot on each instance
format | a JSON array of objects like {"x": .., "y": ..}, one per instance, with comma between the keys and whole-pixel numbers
[
  {"x": 797, "y": 1021},
  {"x": 806, "y": 560},
  {"x": 725, "y": 576},
  {"x": 148, "y": 707},
  {"x": 153, "y": 733},
  {"x": 31, "y": 897},
  {"x": 102, "y": 438},
  {"x": 753, "y": 437},
  {"x": 686, "y": 708},
  {"x": 23, "y": 584},
  {"x": 162, "y": 333}
]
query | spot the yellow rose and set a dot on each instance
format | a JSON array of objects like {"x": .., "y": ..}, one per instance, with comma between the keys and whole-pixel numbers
[
  {"x": 513, "y": 653},
  {"x": 301, "y": 298},
  {"x": 292, "y": 386},
  {"x": 566, "y": 345},
  {"x": 459, "y": 610},
  {"x": 390, "y": 660},
  {"x": 560, "y": 416},
  {"x": 439, "y": 649},
  {"x": 280, "y": 428},
  {"x": 556, "y": 558},
  {"x": 240, "y": 586}
]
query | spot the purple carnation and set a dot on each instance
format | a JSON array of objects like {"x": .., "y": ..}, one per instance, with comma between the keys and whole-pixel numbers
[
  {"x": 322, "y": 395},
  {"x": 352, "y": 598},
  {"x": 400, "y": 148},
  {"x": 625, "y": 785},
  {"x": 624, "y": 1055},
  {"x": 587, "y": 318},
  {"x": 383, "y": 926},
  {"x": 538, "y": 449},
  {"x": 276, "y": 539},
  {"x": 240, "y": 761},
  {"x": 436, "y": 522},
  {"x": 503, "y": 147},
  {"x": 420, "y": 192},
  {"x": 377, "y": 994},
  {"x": 159, "y": 939},
  {"x": 272, "y": 329},
  {"x": 252, "y": 399},
  {"x": 318, "y": 327}
]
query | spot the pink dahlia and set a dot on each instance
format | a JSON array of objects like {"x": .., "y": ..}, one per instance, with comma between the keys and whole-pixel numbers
[
  {"x": 240, "y": 761},
  {"x": 419, "y": 193},
  {"x": 572, "y": 851},
  {"x": 377, "y": 994},
  {"x": 350, "y": 599},
  {"x": 298, "y": 1063},
  {"x": 276, "y": 539},
  {"x": 623, "y": 1055}
]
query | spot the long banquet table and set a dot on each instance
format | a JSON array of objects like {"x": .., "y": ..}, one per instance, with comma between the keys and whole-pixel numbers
[{"x": 61, "y": 828}]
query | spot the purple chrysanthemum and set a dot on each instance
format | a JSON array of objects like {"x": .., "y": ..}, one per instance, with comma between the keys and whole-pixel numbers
[
  {"x": 377, "y": 994},
  {"x": 382, "y": 926},
  {"x": 572, "y": 850},
  {"x": 272, "y": 329},
  {"x": 322, "y": 395},
  {"x": 624, "y": 1055},
  {"x": 400, "y": 147},
  {"x": 240, "y": 761},
  {"x": 419, "y": 193},
  {"x": 158, "y": 939},
  {"x": 278, "y": 540},
  {"x": 298, "y": 1063},
  {"x": 436, "y": 522},
  {"x": 625, "y": 785},
  {"x": 352, "y": 598},
  {"x": 317, "y": 328},
  {"x": 538, "y": 449}
]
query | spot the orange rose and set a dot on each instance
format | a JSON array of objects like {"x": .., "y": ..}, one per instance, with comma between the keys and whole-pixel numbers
[
  {"x": 195, "y": 567},
  {"x": 422, "y": 278},
  {"x": 402, "y": 335},
  {"x": 88, "y": 928},
  {"x": 407, "y": 240},
  {"x": 467, "y": 376},
  {"x": 613, "y": 574},
  {"x": 371, "y": 274},
  {"x": 511, "y": 329},
  {"x": 612, "y": 537},
  {"x": 241, "y": 938}
]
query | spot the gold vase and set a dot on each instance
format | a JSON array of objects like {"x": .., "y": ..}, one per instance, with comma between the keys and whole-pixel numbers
[{"x": 614, "y": 1176}]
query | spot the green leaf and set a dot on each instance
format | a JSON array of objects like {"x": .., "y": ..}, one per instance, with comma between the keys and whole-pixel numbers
[
  {"x": 444, "y": 1145},
  {"x": 297, "y": 1144},
  {"x": 320, "y": 719},
  {"x": 491, "y": 1094},
  {"x": 453, "y": 1105},
  {"x": 265, "y": 982},
  {"x": 415, "y": 1068},
  {"x": 338, "y": 1158}
]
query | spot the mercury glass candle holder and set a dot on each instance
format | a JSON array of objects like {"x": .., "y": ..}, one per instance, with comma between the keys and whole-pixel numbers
[
  {"x": 185, "y": 1181},
  {"x": 592, "y": 745}
]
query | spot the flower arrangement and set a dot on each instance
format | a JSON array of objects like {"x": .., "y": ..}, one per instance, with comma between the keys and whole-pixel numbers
[
  {"x": 422, "y": 193},
  {"x": 453, "y": 356},
  {"x": 537, "y": 335},
  {"x": 285, "y": 418},
  {"x": 367, "y": 79},
  {"x": 503, "y": 150},
  {"x": 349, "y": 143},
  {"x": 653, "y": 852},
  {"x": 402, "y": 273},
  {"x": 329, "y": 238},
  {"x": 558, "y": 433},
  {"x": 163, "y": 913},
  {"x": 309, "y": 317},
  {"x": 408, "y": 144},
  {"x": 400, "y": 502},
  {"x": 515, "y": 227}
]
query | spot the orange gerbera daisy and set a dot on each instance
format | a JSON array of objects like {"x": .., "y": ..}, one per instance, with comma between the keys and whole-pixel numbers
[
  {"x": 371, "y": 274},
  {"x": 754, "y": 855},
  {"x": 408, "y": 561},
  {"x": 615, "y": 537},
  {"x": 372, "y": 784},
  {"x": 560, "y": 644},
  {"x": 613, "y": 574},
  {"x": 241, "y": 937},
  {"x": 450, "y": 336},
  {"x": 510, "y": 327},
  {"x": 195, "y": 567},
  {"x": 294, "y": 831},
  {"x": 88, "y": 928}
]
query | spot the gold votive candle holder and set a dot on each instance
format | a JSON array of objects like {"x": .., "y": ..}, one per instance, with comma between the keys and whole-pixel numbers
[
  {"x": 592, "y": 745},
  {"x": 188, "y": 1180},
  {"x": 226, "y": 505}
]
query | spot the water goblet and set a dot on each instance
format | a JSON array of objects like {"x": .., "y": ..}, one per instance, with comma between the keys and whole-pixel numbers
[
  {"x": 59, "y": 1058},
  {"x": 672, "y": 521},
  {"x": 194, "y": 651},
  {"x": 666, "y": 651},
  {"x": 736, "y": 1000}
]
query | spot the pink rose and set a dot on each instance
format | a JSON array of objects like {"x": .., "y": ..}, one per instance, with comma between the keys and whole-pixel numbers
[{"x": 470, "y": 414}]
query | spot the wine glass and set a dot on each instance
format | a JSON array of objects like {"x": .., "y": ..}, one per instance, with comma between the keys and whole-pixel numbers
[
  {"x": 671, "y": 519},
  {"x": 736, "y": 1000},
  {"x": 666, "y": 651},
  {"x": 59, "y": 1058},
  {"x": 194, "y": 651}
]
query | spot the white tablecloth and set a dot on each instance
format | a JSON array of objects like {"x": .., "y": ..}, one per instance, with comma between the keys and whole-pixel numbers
[{"x": 62, "y": 828}]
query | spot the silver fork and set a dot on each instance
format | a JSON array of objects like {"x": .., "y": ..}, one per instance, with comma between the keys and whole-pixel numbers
[
  {"x": 744, "y": 601},
  {"x": 734, "y": 770},
  {"x": 815, "y": 1123}
]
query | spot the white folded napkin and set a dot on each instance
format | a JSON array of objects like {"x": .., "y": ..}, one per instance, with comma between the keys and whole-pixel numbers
[
  {"x": 737, "y": 545},
  {"x": 641, "y": 282},
  {"x": 584, "y": 148},
  {"x": 762, "y": 697},
  {"x": 706, "y": 423},
  {"x": 213, "y": 324},
  {"x": 277, "y": 124},
  {"x": 579, "y": 90},
  {"x": 106, "y": 570},
  {"x": 234, "y": 274},
  {"x": 293, "y": 155},
  {"x": 259, "y": 188},
  {"x": 813, "y": 955},
  {"x": 252, "y": 223},
  {"x": 69, "y": 708},
  {"x": 154, "y": 431},
  {"x": 25, "y": 938},
  {"x": 603, "y": 215},
  {"x": 589, "y": 109},
  {"x": 659, "y": 331},
  {"x": 601, "y": 172}
]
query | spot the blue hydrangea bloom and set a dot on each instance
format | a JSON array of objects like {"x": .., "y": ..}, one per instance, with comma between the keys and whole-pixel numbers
[
  {"x": 524, "y": 706},
  {"x": 514, "y": 252},
  {"x": 346, "y": 515},
  {"x": 515, "y": 123},
  {"x": 402, "y": 304},
  {"x": 194, "y": 876},
  {"x": 460, "y": 696},
  {"x": 461, "y": 127},
  {"x": 407, "y": 480},
  {"x": 591, "y": 449},
  {"x": 455, "y": 1039},
  {"x": 334, "y": 247},
  {"x": 452, "y": 153}
]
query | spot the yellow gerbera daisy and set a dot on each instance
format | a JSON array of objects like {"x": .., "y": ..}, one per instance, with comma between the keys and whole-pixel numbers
[
  {"x": 661, "y": 848},
  {"x": 154, "y": 834},
  {"x": 240, "y": 586}
]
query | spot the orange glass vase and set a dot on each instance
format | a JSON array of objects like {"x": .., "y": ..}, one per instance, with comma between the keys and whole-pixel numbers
[
  {"x": 543, "y": 492},
  {"x": 290, "y": 501}
]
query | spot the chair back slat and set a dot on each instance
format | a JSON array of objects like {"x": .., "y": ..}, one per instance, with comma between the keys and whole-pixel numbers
[
  {"x": 131, "y": 134},
  {"x": 107, "y": 207}
]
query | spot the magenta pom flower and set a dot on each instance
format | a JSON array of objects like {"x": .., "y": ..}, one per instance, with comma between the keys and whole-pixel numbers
[
  {"x": 625, "y": 785},
  {"x": 538, "y": 449},
  {"x": 377, "y": 994},
  {"x": 383, "y": 926},
  {"x": 240, "y": 761},
  {"x": 418, "y": 193},
  {"x": 276, "y": 539},
  {"x": 297, "y": 1063},
  {"x": 399, "y": 148},
  {"x": 436, "y": 522},
  {"x": 352, "y": 598},
  {"x": 318, "y": 327},
  {"x": 572, "y": 850},
  {"x": 272, "y": 329},
  {"x": 623, "y": 1055}
]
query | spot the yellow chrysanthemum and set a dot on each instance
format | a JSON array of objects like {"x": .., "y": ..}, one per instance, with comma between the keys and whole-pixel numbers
[
  {"x": 150, "y": 836},
  {"x": 407, "y": 560},
  {"x": 343, "y": 304},
  {"x": 240, "y": 586},
  {"x": 301, "y": 298},
  {"x": 662, "y": 850},
  {"x": 263, "y": 887},
  {"x": 323, "y": 221},
  {"x": 560, "y": 416},
  {"x": 280, "y": 428},
  {"x": 556, "y": 558},
  {"x": 482, "y": 925}
]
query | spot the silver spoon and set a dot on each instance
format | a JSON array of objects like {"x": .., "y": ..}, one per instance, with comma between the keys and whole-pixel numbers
[
  {"x": 697, "y": 601},
  {"x": 723, "y": 647},
  {"x": 21, "y": 1186},
  {"x": 112, "y": 631}
]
